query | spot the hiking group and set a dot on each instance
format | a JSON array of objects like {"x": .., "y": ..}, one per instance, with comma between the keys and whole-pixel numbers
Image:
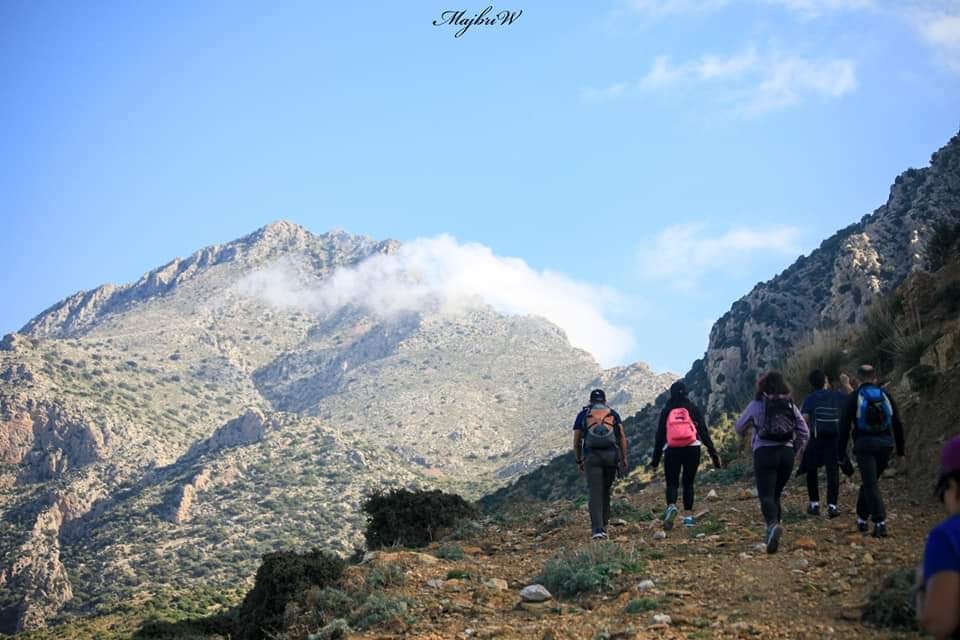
[{"x": 782, "y": 435}]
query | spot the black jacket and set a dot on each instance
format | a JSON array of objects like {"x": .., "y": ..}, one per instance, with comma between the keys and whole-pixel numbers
[
  {"x": 703, "y": 434},
  {"x": 848, "y": 425}
]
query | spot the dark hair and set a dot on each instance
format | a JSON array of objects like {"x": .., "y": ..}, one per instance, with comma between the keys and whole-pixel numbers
[
  {"x": 817, "y": 379},
  {"x": 944, "y": 482},
  {"x": 772, "y": 383},
  {"x": 867, "y": 373}
]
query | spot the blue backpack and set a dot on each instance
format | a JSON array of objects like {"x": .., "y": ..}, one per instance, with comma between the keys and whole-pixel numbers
[{"x": 874, "y": 411}]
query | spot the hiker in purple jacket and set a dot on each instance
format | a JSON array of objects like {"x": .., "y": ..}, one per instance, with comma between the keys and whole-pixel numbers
[{"x": 779, "y": 438}]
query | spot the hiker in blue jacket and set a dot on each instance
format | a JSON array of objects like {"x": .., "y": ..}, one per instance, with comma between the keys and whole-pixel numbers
[
  {"x": 822, "y": 411},
  {"x": 872, "y": 419},
  {"x": 600, "y": 448}
]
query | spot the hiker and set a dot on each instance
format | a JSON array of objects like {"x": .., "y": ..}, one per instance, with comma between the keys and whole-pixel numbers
[
  {"x": 938, "y": 594},
  {"x": 600, "y": 448},
  {"x": 680, "y": 432},
  {"x": 872, "y": 418},
  {"x": 779, "y": 437},
  {"x": 821, "y": 411}
]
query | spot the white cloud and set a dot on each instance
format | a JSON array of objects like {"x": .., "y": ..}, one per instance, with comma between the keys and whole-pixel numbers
[
  {"x": 681, "y": 255},
  {"x": 939, "y": 28},
  {"x": 756, "y": 83},
  {"x": 803, "y": 8},
  {"x": 591, "y": 94},
  {"x": 444, "y": 276}
]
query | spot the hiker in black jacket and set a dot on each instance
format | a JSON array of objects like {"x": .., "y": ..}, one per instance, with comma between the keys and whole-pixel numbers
[
  {"x": 680, "y": 432},
  {"x": 872, "y": 418},
  {"x": 600, "y": 449}
]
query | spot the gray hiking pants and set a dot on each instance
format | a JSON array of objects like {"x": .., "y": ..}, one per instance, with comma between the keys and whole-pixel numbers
[{"x": 600, "y": 469}]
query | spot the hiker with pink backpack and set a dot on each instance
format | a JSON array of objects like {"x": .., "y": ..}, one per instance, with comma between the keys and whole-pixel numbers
[{"x": 680, "y": 432}]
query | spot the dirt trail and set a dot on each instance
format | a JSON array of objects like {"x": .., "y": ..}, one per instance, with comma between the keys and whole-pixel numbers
[{"x": 711, "y": 580}]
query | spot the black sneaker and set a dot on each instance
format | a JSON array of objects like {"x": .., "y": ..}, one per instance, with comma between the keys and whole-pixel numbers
[
  {"x": 773, "y": 538},
  {"x": 813, "y": 510},
  {"x": 832, "y": 511},
  {"x": 862, "y": 526},
  {"x": 880, "y": 530}
]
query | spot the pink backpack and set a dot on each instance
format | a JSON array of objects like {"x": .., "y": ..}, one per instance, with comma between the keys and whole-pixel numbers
[{"x": 681, "y": 431}]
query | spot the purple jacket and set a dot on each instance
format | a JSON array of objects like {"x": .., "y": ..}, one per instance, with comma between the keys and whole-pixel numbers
[{"x": 754, "y": 413}]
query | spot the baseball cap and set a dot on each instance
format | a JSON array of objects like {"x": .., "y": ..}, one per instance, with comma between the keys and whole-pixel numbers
[{"x": 597, "y": 395}]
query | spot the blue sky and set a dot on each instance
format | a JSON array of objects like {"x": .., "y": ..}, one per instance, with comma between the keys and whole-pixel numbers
[{"x": 672, "y": 151}]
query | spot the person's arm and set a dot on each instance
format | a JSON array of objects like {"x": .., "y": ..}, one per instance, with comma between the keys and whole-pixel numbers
[
  {"x": 624, "y": 445},
  {"x": 801, "y": 433},
  {"x": 937, "y": 611},
  {"x": 747, "y": 419},
  {"x": 660, "y": 439},
  {"x": 897, "y": 425},
  {"x": 577, "y": 452},
  {"x": 703, "y": 433},
  {"x": 846, "y": 420}
]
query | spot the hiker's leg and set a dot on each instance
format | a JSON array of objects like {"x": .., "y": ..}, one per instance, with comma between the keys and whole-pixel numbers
[
  {"x": 691, "y": 462},
  {"x": 671, "y": 472},
  {"x": 784, "y": 469},
  {"x": 879, "y": 511},
  {"x": 609, "y": 475},
  {"x": 765, "y": 471},
  {"x": 867, "y": 462},
  {"x": 833, "y": 483},
  {"x": 594, "y": 473},
  {"x": 813, "y": 483}
]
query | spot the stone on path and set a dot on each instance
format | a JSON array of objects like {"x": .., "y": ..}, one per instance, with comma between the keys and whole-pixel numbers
[{"x": 535, "y": 593}]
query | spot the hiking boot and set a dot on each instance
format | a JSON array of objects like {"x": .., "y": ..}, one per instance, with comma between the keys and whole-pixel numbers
[
  {"x": 773, "y": 538},
  {"x": 862, "y": 526},
  {"x": 880, "y": 530},
  {"x": 689, "y": 521},
  {"x": 599, "y": 534},
  {"x": 832, "y": 511},
  {"x": 668, "y": 517},
  {"x": 813, "y": 509}
]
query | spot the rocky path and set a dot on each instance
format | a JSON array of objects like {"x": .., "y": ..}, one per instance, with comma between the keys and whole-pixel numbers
[{"x": 711, "y": 581}]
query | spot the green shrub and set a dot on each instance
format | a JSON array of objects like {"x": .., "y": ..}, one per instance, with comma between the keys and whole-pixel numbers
[
  {"x": 891, "y": 606},
  {"x": 922, "y": 378},
  {"x": 330, "y": 603},
  {"x": 456, "y": 574},
  {"x": 943, "y": 243},
  {"x": 450, "y": 552},
  {"x": 377, "y": 609},
  {"x": 412, "y": 518},
  {"x": 589, "y": 570},
  {"x": 281, "y": 578},
  {"x": 641, "y": 605},
  {"x": 389, "y": 575},
  {"x": 337, "y": 630}
]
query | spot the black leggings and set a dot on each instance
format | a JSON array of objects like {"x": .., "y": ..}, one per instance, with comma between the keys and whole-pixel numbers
[
  {"x": 772, "y": 467},
  {"x": 676, "y": 459}
]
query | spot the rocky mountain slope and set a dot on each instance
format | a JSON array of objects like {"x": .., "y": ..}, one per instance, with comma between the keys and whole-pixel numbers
[
  {"x": 173, "y": 429},
  {"x": 825, "y": 295}
]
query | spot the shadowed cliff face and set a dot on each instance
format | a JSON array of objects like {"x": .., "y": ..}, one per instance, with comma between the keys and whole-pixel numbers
[{"x": 174, "y": 429}]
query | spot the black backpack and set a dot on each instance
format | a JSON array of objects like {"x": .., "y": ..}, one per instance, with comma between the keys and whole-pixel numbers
[{"x": 779, "y": 419}]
